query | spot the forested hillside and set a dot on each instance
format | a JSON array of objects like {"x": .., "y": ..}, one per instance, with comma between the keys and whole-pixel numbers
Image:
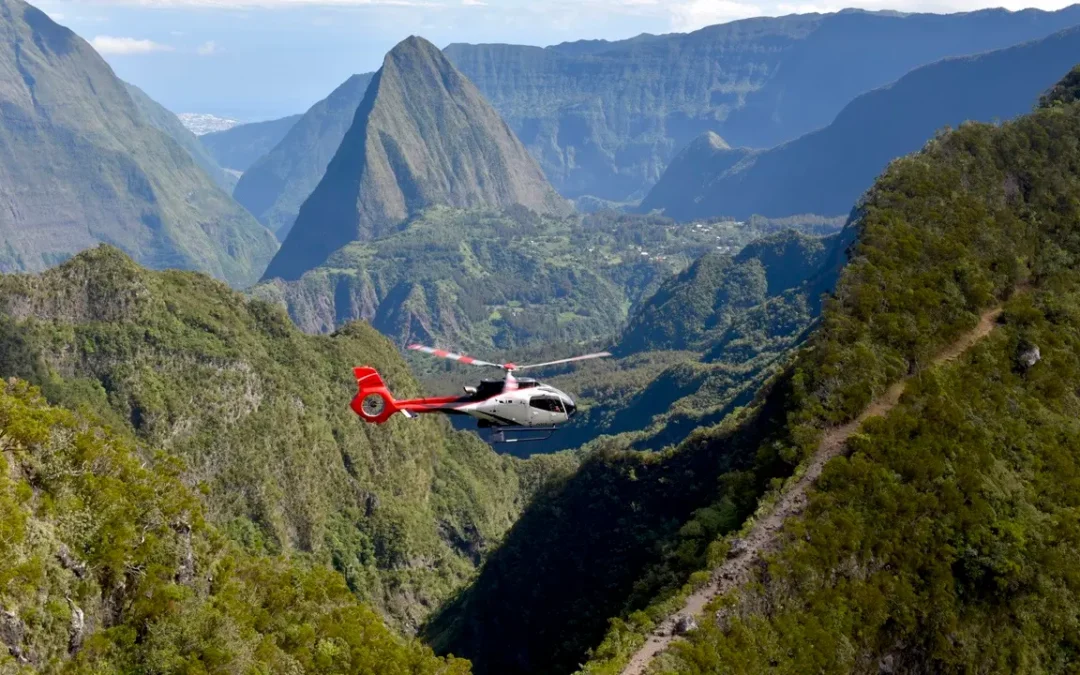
[
  {"x": 488, "y": 281},
  {"x": 937, "y": 546},
  {"x": 109, "y": 566},
  {"x": 704, "y": 343},
  {"x": 257, "y": 412},
  {"x": 605, "y": 118},
  {"x": 827, "y": 170},
  {"x": 945, "y": 531}
]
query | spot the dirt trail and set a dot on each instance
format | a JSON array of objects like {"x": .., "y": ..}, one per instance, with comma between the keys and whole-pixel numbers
[{"x": 737, "y": 569}]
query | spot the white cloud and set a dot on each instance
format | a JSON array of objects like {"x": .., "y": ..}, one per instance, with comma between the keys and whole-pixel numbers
[
  {"x": 474, "y": 3},
  {"x": 106, "y": 44},
  {"x": 694, "y": 14},
  {"x": 208, "y": 48}
]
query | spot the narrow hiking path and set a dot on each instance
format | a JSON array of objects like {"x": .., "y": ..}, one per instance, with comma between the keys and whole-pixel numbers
[{"x": 737, "y": 569}]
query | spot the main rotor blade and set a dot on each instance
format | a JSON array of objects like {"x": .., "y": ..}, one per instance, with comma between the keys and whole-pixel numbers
[
  {"x": 554, "y": 363},
  {"x": 454, "y": 357}
]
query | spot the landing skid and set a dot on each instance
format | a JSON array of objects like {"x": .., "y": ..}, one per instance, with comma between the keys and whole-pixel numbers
[{"x": 507, "y": 434}]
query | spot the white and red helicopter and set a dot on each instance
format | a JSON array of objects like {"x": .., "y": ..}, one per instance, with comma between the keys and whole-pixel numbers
[{"x": 505, "y": 406}]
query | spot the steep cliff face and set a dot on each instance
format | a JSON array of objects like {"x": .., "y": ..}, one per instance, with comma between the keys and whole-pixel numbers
[
  {"x": 605, "y": 118},
  {"x": 422, "y": 136},
  {"x": 80, "y": 165},
  {"x": 276, "y": 184},
  {"x": 827, "y": 170}
]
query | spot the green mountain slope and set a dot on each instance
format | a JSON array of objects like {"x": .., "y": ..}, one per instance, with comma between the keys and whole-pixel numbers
[
  {"x": 109, "y": 566},
  {"x": 259, "y": 414},
  {"x": 704, "y": 343},
  {"x": 423, "y": 136},
  {"x": 275, "y": 186},
  {"x": 940, "y": 544},
  {"x": 605, "y": 118},
  {"x": 81, "y": 166},
  {"x": 944, "y": 532},
  {"x": 488, "y": 281},
  {"x": 827, "y": 170},
  {"x": 240, "y": 147},
  {"x": 165, "y": 121}
]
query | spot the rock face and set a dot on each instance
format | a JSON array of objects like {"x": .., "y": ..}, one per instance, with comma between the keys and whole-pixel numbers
[
  {"x": 605, "y": 118},
  {"x": 1029, "y": 355},
  {"x": 80, "y": 165},
  {"x": 826, "y": 171},
  {"x": 422, "y": 136},
  {"x": 276, "y": 184}
]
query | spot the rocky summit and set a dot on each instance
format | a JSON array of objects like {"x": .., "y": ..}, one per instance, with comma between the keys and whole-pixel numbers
[{"x": 422, "y": 136}]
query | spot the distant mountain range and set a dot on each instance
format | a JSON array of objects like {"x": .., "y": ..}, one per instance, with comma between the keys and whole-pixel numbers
[
  {"x": 241, "y": 146},
  {"x": 422, "y": 136},
  {"x": 606, "y": 118},
  {"x": 826, "y": 171},
  {"x": 81, "y": 164}
]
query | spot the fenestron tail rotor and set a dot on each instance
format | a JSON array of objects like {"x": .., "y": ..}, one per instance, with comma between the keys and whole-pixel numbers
[{"x": 462, "y": 358}]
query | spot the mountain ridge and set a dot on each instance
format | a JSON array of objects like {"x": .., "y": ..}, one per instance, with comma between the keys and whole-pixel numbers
[
  {"x": 827, "y": 170},
  {"x": 84, "y": 166},
  {"x": 423, "y": 136}
]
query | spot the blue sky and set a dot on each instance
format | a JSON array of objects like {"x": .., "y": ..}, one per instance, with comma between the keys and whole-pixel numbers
[{"x": 260, "y": 59}]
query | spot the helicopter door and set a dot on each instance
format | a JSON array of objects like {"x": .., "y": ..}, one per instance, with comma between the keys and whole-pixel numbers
[{"x": 545, "y": 410}]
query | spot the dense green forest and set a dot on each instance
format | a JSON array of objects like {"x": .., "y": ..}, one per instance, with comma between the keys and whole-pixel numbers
[
  {"x": 489, "y": 281},
  {"x": 943, "y": 235},
  {"x": 109, "y": 566},
  {"x": 258, "y": 413},
  {"x": 704, "y": 343},
  {"x": 935, "y": 546}
]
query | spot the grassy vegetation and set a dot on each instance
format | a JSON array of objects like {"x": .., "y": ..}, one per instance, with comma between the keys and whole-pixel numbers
[
  {"x": 108, "y": 566},
  {"x": 258, "y": 412},
  {"x": 943, "y": 235}
]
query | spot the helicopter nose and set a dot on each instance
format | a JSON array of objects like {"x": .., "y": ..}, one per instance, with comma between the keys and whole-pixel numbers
[{"x": 571, "y": 409}]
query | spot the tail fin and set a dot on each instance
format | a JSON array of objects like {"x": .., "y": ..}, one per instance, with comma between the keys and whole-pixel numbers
[{"x": 380, "y": 404}]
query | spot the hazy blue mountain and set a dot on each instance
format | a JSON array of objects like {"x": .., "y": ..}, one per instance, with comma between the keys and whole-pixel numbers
[
  {"x": 826, "y": 171},
  {"x": 167, "y": 121},
  {"x": 423, "y": 136},
  {"x": 80, "y": 164},
  {"x": 240, "y": 147},
  {"x": 274, "y": 186},
  {"x": 605, "y": 118}
]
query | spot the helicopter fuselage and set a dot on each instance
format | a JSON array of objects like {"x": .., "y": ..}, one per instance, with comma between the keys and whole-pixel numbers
[
  {"x": 495, "y": 403},
  {"x": 531, "y": 404}
]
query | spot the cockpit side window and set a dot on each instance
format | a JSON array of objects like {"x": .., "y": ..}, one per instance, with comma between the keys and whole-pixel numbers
[{"x": 546, "y": 403}]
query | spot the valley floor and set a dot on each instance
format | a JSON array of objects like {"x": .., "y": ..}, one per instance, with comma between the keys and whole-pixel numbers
[{"x": 762, "y": 538}]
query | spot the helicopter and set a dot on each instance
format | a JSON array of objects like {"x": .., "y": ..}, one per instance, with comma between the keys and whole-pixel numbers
[{"x": 507, "y": 406}]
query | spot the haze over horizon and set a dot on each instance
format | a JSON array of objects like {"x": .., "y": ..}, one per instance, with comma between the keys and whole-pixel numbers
[{"x": 262, "y": 59}]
